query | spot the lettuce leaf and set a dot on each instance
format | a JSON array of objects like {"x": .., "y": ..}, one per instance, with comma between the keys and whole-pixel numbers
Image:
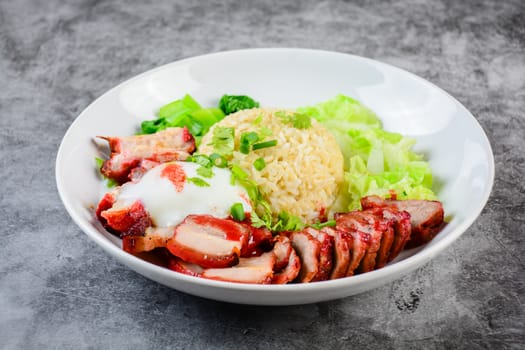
[{"x": 377, "y": 162}]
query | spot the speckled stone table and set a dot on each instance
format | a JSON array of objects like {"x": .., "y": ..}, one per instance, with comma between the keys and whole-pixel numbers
[{"x": 58, "y": 290}]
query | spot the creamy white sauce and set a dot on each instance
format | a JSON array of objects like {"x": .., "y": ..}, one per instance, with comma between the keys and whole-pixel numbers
[{"x": 168, "y": 207}]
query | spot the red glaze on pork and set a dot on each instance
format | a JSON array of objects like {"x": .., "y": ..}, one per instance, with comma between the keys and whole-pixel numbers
[
  {"x": 128, "y": 152},
  {"x": 132, "y": 220},
  {"x": 257, "y": 270},
  {"x": 208, "y": 241},
  {"x": 426, "y": 217},
  {"x": 154, "y": 237},
  {"x": 326, "y": 252},
  {"x": 341, "y": 252},
  {"x": 308, "y": 249}
]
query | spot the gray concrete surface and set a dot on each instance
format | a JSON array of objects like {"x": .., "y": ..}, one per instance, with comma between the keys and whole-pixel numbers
[{"x": 58, "y": 290}]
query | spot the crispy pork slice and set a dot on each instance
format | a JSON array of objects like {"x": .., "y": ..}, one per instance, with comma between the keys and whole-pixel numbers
[
  {"x": 208, "y": 241},
  {"x": 154, "y": 237},
  {"x": 341, "y": 252},
  {"x": 426, "y": 217},
  {"x": 257, "y": 270},
  {"x": 326, "y": 253},
  {"x": 128, "y": 152},
  {"x": 307, "y": 248}
]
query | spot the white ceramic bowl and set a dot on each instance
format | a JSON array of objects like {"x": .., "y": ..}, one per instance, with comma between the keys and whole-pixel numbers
[{"x": 455, "y": 144}]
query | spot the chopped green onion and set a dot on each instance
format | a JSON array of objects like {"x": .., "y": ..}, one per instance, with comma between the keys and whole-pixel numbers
[
  {"x": 265, "y": 144},
  {"x": 247, "y": 140},
  {"x": 218, "y": 160},
  {"x": 197, "y": 181},
  {"x": 237, "y": 212},
  {"x": 259, "y": 164}
]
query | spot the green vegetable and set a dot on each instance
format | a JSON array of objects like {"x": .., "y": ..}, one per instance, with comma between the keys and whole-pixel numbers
[
  {"x": 298, "y": 120},
  {"x": 265, "y": 144},
  {"x": 233, "y": 103},
  {"x": 185, "y": 112},
  {"x": 376, "y": 161},
  {"x": 247, "y": 140},
  {"x": 205, "y": 171},
  {"x": 237, "y": 212},
  {"x": 197, "y": 181},
  {"x": 259, "y": 164},
  {"x": 218, "y": 160},
  {"x": 288, "y": 222},
  {"x": 223, "y": 141}
]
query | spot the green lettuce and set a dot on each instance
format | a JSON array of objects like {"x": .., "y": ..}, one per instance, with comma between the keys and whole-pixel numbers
[{"x": 377, "y": 162}]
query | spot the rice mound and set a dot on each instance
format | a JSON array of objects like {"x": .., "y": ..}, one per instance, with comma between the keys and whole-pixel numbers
[{"x": 304, "y": 171}]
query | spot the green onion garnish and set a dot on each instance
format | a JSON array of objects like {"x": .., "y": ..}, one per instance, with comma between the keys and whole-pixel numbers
[
  {"x": 259, "y": 164},
  {"x": 265, "y": 144},
  {"x": 247, "y": 140},
  {"x": 237, "y": 212}
]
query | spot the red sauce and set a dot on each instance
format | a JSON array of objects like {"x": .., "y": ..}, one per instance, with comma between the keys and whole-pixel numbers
[
  {"x": 175, "y": 174},
  {"x": 232, "y": 231}
]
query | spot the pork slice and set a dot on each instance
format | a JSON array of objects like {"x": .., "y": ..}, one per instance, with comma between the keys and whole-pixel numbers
[
  {"x": 154, "y": 237},
  {"x": 128, "y": 152},
  {"x": 285, "y": 253},
  {"x": 208, "y": 241},
  {"x": 426, "y": 217},
  {"x": 257, "y": 270},
  {"x": 354, "y": 226},
  {"x": 179, "y": 265},
  {"x": 307, "y": 248},
  {"x": 326, "y": 253},
  {"x": 282, "y": 249},
  {"x": 402, "y": 230},
  {"x": 362, "y": 222},
  {"x": 132, "y": 219},
  {"x": 259, "y": 241},
  {"x": 341, "y": 252}
]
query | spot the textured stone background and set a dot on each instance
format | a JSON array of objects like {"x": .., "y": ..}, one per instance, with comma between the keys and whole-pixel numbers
[{"x": 59, "y": 290}]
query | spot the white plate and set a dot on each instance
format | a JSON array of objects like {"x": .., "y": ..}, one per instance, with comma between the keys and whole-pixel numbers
[{"x": 455, "y": 144}]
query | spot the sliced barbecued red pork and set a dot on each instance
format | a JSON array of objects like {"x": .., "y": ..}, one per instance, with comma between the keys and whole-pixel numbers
[
  {"x": 126, "y": 220},
  {"x": 259, "y": 241},
  {"x": 208, "y": 241},
  {"x": 402, "y": 231},
  {"x": 368, "y": 223},
  {"x": 154, "y": 237},
  {"x": 426, "y": 217},
  {"x": 341, "y": 252},
  {"x": 326, "y": 252},
  {"x": 258, "y": 269},
  {"x": 128, "y": 152},
  {"x": 360, "y": 240},
  {"x": 307, "y": 248},
  {"x": 287, "y": 263}
]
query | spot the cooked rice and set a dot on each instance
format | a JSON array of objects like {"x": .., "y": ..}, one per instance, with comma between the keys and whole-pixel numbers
[{"x": 303, "y": 173}]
